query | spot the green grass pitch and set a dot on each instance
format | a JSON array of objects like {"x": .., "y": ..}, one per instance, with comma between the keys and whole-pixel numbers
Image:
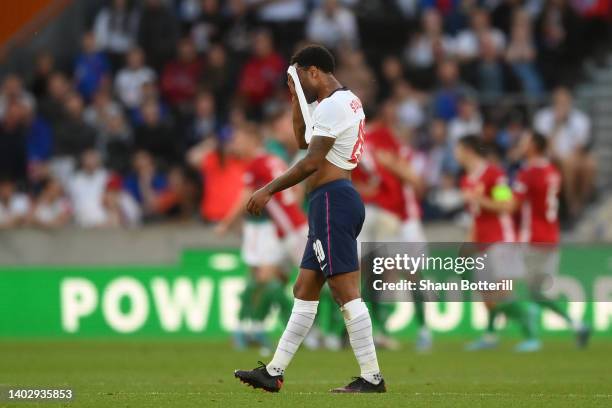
[{"x": 199, "y": 374}]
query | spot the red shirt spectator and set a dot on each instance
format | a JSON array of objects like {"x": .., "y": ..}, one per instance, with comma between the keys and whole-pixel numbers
[
  {"x": 223, "y": 183},
  {"x": 262, "y": 72},
  {"x": 179, "y": 81}
]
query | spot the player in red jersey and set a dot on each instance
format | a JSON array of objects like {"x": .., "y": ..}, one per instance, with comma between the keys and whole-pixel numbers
[
  {"x": 390, "y": 183},
  {"x": 283, "y": 209},
  {"x": 484, "y": 186},
  {"x": 536, "y": 194},
  {"x": 268, "y": 241}
]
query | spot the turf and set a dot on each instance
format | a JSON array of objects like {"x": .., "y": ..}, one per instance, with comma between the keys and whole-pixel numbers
[{"x": 199, "y": 374}]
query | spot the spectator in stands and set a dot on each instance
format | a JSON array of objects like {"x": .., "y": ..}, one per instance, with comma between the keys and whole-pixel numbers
[
  {"x": 469, "y": 41},
  {"x": 13, "y": 91},
  {"x": 558, "y": 29},
  {"x": 391, "y": 73},
  {"x": 130, "y": 79},
  {"x": 14, "y": 206},
  {"x": 354, "y": 73},
  {"x": 157, "y": 32},
  {"x": 410, "y": 105},
  {"x": 145, "y": 183},
  {"x": 262, "y": 73},
  {"x": 467, "y": 122},
  {"x": 86, "y": 190},
  {"x": 333, "y": 25},
  {"x": 91, "y": 68},
  {"x": 155, "y": 135},
  {"x": 101, "y": 109},
  {"x": 437, "y": 154},
  {"x": 150, "y": 93},
  {"x": 284, "y": 17},
  {"x": 39, "y": 136},
  {"x": 52, "y": 105},
  {"x": 448, "y": 91},
  {"x": 503, "y": 13},
  {"x": 430, "y": 43},
  {"x": 569, "y": 132},
  {"x": 45, "y": 64},
  {"x": 180, "y": 77},
  {"x": 13, "y": 142},
  {"x": 208, "y": 25},
  {"x": 217, "y": 77},
  {"x": 521, "y": 55},
  {"x": 72, "y": 137},
  {"x": 115, "y": 143},
  {"x": 221, "y": 172},
  {"x": 120, "y": 209},
  {"x": 113, "y": 135},
  {"x": 115, "y": 29},
  {"x": 179, "y": 198},
  {"x": 51, "y": 209},
  {"x": 204, "y": 123},
  {"x": 490, "y": 74}
]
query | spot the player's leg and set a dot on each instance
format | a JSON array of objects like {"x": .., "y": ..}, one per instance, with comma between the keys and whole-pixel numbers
[
  {"x": 306, "y": 291},
  {"x": 345, "y": 289},
  {"x": 413, "y": 234},
  {"x": 542, "y": 263},
  {"x": 306, "y": 300}
]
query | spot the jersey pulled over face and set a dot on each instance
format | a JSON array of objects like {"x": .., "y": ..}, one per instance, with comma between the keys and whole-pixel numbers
[{"x": 341, "y": 116}]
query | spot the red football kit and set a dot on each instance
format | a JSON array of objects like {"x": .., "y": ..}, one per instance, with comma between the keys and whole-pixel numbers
[
  {"x": 537, "y": 187},
  {"x": 390, "y": 194},
  {"x": 489, "y": 226},
  {"x": 283, "y": 208}
]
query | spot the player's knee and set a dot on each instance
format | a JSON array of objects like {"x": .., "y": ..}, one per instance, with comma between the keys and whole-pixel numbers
[{"x": 342, "y": 293}]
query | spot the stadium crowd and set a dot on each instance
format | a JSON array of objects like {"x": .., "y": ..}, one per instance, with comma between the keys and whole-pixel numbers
[{"x": 139, "y": 127}]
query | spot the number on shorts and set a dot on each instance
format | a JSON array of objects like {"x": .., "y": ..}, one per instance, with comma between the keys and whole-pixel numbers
[{"x": 317, "y": 247}]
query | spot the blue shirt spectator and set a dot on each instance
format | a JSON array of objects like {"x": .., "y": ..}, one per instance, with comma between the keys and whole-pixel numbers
[{"x": 91, "y": 67}]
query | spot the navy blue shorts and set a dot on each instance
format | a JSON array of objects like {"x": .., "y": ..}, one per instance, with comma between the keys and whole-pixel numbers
[{"x": 335, "y": 218}]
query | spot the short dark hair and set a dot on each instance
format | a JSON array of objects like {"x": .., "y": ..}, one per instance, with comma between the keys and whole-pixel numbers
[
  {"x": 315, "y": 56},
  {"x": 540, "y": 141},
  {"x": 473, "y": 143}
]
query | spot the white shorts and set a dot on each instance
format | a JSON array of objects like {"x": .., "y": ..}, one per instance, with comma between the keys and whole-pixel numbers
[
  {"x": 542, "y": 266},
  {"x": 503, "y": 261},
  {"x": 261, "y": 245},
  {"x": 295, "y": 243},
  {"x": 379, "y": 225}
]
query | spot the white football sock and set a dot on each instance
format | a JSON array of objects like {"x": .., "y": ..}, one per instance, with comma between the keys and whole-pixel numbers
[
  {"x": 298, "y": 326},
  {"x": 359, "y": 328}
]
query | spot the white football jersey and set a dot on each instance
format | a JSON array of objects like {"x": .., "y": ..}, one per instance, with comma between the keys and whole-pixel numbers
[{"x": 341, "y": 116}]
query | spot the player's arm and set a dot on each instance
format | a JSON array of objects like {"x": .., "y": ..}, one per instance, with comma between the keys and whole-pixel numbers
[
  {"x": 299, "y": 126},
  {"x": 402, "y": 169},
  {"x": 197, "y": 152},
  {"x": 235, "y": 212},
  {"x": 317, "y": 150},
  {"x": 501, "y": 201}
]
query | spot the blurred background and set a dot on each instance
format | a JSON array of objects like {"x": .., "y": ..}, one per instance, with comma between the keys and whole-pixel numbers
[{"x": 117, "y": 118}]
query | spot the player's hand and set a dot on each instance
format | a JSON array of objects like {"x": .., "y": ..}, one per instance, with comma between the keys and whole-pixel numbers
[
  {"x": 221, "y": 229},
  {"x": 258, "y": 201},
  {"x": 473, "y": 195},
  {"x": 291, "y": 86},
  {"x": 385, "y": 158}
]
